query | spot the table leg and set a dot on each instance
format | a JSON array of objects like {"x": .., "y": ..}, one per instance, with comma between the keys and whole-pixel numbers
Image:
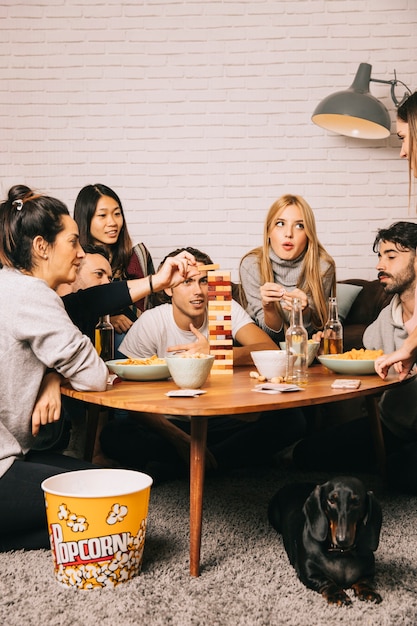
[
  {"x": 376, "y": 430},
  {"x": 197, "y": 469},
  {"x": 92, "y": 417}
]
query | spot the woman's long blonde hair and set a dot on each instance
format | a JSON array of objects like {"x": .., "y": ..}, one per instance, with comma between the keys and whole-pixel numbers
[{"x": 310, "y": 279}]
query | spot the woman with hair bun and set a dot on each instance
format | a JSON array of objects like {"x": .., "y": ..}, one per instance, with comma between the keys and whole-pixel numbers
[{"x": 39, "y": 250}]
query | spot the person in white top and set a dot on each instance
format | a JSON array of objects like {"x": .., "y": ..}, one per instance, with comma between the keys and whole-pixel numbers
[{"x": 180, "y": 324}]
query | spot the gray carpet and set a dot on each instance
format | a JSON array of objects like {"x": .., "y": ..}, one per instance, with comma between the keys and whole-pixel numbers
[{"x": 246, "y": 579}]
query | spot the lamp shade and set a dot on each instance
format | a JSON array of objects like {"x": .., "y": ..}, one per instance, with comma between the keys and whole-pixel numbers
[{"x": 354, "y": 112}]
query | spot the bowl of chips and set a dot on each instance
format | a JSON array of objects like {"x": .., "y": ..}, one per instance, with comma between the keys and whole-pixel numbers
[
  {"x": 353, "y": 363},
  {"x": 190, "y": 371},
  {"x": 152, "y": 368}
]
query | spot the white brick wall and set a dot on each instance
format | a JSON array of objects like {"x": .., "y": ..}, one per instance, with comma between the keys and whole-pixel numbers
[{"x": 198, "y": 114}]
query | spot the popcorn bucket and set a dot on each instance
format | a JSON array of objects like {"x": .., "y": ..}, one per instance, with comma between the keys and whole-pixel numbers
[{"x": 97, "y": 523}]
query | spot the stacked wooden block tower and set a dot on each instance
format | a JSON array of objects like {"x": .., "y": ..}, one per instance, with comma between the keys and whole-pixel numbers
[{"x": 220, "y": 320}]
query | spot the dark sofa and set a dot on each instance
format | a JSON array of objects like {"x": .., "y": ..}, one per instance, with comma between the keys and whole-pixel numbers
[{"x": 365, "y": 309}]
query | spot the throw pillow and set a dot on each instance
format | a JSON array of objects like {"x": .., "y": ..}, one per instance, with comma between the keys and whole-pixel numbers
[{"x": 346, "y": 296}]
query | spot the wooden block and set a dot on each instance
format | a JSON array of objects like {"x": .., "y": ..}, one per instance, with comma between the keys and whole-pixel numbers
[
  {"x": 217, "y": 372},
  {"x": 208, "y": 268},
  {"x": 221, "y": 342},
  {"x": 220, "y": 305},
  {"x": 223, "y": 351},
  {"x": 220, "y": 321}
]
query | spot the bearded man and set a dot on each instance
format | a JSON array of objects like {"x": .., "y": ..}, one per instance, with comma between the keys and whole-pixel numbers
[{"x": 349, "y": 446}]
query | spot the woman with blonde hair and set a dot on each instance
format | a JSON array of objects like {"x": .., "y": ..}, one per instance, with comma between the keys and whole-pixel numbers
[{"x": 290, "y": 264}]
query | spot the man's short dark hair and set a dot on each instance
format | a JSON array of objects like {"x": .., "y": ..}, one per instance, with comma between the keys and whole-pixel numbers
[
  {"x": 403, "y": 234},
  {"x": 93, "y": 249},
  {"x": 200, "y": 257}
]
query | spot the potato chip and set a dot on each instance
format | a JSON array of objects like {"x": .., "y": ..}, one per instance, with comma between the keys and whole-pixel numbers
[
  {"x": 153, "y": 360},
  {"x": 359, "y": 355}
]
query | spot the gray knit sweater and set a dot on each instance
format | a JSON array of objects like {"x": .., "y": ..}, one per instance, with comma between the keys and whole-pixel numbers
[
  {"x": 286, "y": 273},
  {"x": 36, "y": 334}
]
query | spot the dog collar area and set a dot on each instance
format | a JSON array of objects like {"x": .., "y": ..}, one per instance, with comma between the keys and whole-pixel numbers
[{"x": 337, "y": 550}]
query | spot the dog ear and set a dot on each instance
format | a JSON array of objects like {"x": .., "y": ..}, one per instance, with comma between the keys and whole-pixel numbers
[
  {"x": 316, "y": 519},
  {"x": 372, "y": 521}
]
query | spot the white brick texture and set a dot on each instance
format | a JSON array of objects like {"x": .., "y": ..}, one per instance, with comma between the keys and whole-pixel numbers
[{"x": 198, "y": 114}]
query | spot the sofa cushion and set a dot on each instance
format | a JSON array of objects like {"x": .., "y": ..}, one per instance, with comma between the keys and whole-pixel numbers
[
  {"x": 364, "y": 310},
  {"x": 346, "y": 295},
  {"x": 368, "y": 303}
]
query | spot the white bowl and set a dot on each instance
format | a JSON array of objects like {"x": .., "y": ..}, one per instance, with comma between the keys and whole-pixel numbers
[
  {"x": 347, "y": 366},
  {"x": 270, "y": 363},
  {"x": 313, "y": 348},
  {"x": 138, "y": 372},
  {"x": 190, "y": 372}
]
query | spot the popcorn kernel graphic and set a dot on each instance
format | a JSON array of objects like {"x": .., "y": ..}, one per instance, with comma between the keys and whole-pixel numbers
[
  {"x": 63, "y": 512},
  {"x": 117, "y": 514},
  {"x": 77, "y": 523},
  {"x": 123, "y": 566}
]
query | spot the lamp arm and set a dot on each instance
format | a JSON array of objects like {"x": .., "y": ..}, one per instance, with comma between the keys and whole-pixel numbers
[{"x": 394, "y": 82}]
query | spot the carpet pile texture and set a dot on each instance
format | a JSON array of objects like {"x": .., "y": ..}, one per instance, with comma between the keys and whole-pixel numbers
[{"x": 246, "y": 579}]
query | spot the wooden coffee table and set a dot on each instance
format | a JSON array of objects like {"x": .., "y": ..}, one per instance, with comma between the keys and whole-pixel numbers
[{"x": 228, "y": 395}]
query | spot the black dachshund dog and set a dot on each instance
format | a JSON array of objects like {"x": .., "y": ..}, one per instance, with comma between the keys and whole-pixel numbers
[{"x": 330, "y": 534}]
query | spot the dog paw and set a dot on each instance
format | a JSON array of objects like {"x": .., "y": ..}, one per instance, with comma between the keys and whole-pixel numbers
[
  {"x": 367, "y": 594},
  {"x": 338, "y": 597}
]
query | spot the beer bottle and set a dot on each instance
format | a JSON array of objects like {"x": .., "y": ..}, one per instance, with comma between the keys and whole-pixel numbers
[
  {"x": 333, "y": 331},
  {"x": 104, "y": 338}
]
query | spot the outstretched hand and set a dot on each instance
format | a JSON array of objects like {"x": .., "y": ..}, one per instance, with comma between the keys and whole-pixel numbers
[
  {"x": 201, "y": 345},
  {"x": 402, "y": 360},
  {"x": 272, "y": 292},
  {"x": 174, "y": 271}
]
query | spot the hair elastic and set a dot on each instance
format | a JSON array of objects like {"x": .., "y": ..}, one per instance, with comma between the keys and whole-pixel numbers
[{"x": 18, "y": 204}]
